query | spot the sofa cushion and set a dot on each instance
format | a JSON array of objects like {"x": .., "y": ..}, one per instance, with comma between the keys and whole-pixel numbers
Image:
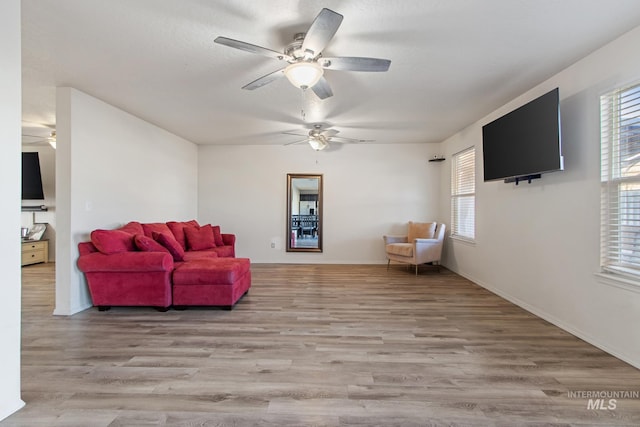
[
  {"x": 229, "y": 239},
  {"x": 217, "y": 236},
  {"x": 157, "y": 227},
  {"x": 86, "y": 248},
  {"x": 226, "y": 251},
  {"x": 168, "y": 241},
  {"x": 133, "y": 227},
  {"x": 206, "y": 254},
  {"x": 112, "y": 241},
  {"x": 220, "y": 271},
  {"x": 147, "y": 244},
  {"x": 421, "y": 230},
  {"x": 177, "y": 228},
  {"x": 199, "y": 239}
]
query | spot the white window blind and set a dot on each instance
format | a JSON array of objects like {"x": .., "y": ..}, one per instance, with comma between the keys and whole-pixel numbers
[
  {"x": 620, "y": 181},
  {"x": 463, "y": 194}
]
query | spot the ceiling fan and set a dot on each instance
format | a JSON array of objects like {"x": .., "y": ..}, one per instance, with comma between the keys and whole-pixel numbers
[
  {"x": 319, "y": 138},
  {"x": 306, "y": 64},
  {"x": 39, "y": 139}
]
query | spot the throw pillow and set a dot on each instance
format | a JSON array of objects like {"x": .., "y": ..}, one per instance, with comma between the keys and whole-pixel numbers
[
  {"x": 177, "y": 229},
  {"x": 155, "y": 227},
  {"x": 217, "y": 236},
  {"x": 169, "y": 242},
  {"x": 200, "y": 238},
  {"x": 133, "y": 227},
  {"x": 112, "y": 241},
  {"x": 421, "y": 230},
  {"x": 147, "y": 244}
]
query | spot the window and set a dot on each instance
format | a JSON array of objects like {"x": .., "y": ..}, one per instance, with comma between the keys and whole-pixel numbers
[
  {"x": 463, "y": 194},
  {"x": 620, "y": 181}
]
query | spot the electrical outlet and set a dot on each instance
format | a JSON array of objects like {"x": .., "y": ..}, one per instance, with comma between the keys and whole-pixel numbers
[{"x": 273, "y": 245}]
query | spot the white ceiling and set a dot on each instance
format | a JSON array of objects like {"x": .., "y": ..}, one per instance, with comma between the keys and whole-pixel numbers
[{"x": 453, "y": 61}]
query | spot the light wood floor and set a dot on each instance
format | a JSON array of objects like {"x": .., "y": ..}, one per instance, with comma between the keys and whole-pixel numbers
[{"x": 320, "y": 345}]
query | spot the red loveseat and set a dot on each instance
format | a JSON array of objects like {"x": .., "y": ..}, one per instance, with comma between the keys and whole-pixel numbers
[{"x": 135, "y": 265}]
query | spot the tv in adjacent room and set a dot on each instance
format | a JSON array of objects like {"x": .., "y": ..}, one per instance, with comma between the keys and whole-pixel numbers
[
  {"x": 524, "y": 143},
  {"x": 31, "y": 177}
]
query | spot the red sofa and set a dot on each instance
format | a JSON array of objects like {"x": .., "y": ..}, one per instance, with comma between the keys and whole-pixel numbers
[{"x": 135, "y": 265}]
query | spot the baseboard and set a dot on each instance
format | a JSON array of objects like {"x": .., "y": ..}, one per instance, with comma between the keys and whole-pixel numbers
[
  {"x": 10, "y": 408},
  {"x": 553, "y": 320},
  {"x": 71, "y": 311}
]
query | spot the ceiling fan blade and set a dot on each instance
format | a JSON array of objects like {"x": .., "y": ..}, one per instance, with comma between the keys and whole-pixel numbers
[
  {"x": 349, "y": 140},
  {"x": 354, "y": 63},
  {"x": 296, "y": 133},
  {"x": 330, "y": 133},
  {"x": 248, "y": 47},
  {"x": 298, "y": 142},
  {"x": 322, "y": 89},
  {"x": 321, "y": 31},
  {"x": 258, "y": 83}
]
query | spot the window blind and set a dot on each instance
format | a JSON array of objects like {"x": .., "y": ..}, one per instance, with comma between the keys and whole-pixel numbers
[
  {"x": 463, "y": 194},
  {"x": 620, "y": 181}
]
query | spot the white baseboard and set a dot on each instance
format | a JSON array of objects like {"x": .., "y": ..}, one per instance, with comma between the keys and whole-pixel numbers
[
  {"x": 70, "y": 311},
  {"x": 635, "y": 362},
  {"x": 9, "y": 408}
]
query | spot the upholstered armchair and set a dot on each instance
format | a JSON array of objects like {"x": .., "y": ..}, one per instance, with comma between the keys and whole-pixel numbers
[{"x": 422, "y": 244}]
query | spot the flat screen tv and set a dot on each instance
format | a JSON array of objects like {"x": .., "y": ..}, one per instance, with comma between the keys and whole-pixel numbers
[
  {"x": 31, "y": 177},
  {"x": 524, "y": 143}
]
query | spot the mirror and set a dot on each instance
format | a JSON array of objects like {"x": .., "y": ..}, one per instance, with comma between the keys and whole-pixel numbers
[{"x": 304, "y": 213}]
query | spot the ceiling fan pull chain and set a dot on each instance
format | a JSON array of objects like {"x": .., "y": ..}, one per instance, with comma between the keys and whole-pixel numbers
[{"x": 303, "y": 114}]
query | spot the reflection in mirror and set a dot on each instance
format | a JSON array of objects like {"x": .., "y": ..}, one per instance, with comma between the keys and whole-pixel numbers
[{"x": 304, "y": 213}]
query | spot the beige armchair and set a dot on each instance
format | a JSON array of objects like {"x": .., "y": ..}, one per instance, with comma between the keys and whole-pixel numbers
[{"x": 422, "y": 244}]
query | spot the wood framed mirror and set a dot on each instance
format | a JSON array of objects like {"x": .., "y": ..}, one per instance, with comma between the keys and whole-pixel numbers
[{"x": 304, "y": 212}]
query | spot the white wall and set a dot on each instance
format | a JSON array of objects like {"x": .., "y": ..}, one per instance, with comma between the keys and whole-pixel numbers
[
  {"x": 47, "y": 157},
  {"x": 10, "y": 119},
  {"x": 112, "y": 168},
  {"x": 538, "y": 244},
  {"x": 369, "y": 190}
]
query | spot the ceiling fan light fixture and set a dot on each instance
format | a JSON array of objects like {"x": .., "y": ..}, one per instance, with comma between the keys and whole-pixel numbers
[
  {"x": 317, "y": 144},
  {"x": 304, "y": 74},
  {"x": 52, "y": 139}
]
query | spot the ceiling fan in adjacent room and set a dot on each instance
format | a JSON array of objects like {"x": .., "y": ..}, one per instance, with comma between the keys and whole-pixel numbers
[
  {"x": 306, "y": 64},
  {"x": 39, "y": 139},
  {"x": 319, "y": 138}
]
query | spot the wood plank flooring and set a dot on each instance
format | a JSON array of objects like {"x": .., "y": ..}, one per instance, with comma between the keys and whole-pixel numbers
[{"x": 314, "y": 345}]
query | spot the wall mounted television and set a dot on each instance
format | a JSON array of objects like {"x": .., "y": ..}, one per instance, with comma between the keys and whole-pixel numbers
[
  {"x": 525, "y": 143},
  {"x": 31, "y": 177}
]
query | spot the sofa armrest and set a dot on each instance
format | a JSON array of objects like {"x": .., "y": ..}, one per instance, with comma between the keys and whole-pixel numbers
[
  {"x": 394, "y": 239},
  {"x": 229, "y": 239},
  {"x": 125, "y": 262}
]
